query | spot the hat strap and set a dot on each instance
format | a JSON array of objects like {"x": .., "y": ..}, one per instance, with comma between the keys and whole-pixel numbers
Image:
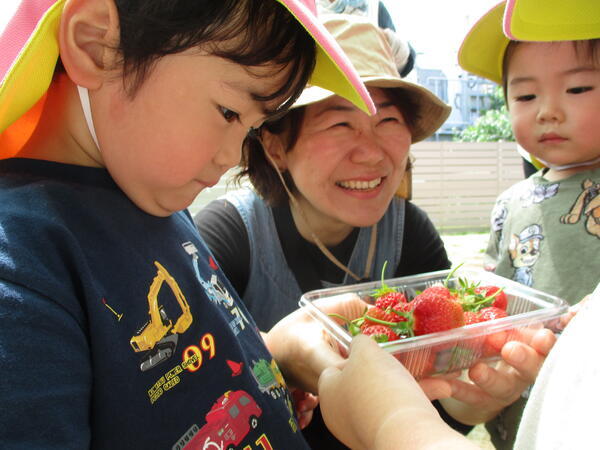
[
  {"x": 84, "y": 97},
  {"x": 320, "y": 245},
  {"x": 569, "y": 166}
]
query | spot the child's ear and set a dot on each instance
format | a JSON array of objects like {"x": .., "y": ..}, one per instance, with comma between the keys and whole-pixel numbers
[
  {"x": 88, "y": 37},
  {"x": 274, "y": 147}
]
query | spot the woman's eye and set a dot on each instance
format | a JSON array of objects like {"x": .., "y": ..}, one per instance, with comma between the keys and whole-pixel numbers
[
  {"x": 228, "y": 114},
  {"x": 341, "y": 124},
  {"x": 390, "y": 120},
  {"x": 579, "y": 89},
  {"x": 524, "y": 98}
]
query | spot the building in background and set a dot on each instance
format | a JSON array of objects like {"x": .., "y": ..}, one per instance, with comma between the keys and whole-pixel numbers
[{"x": 469, "y": 96}]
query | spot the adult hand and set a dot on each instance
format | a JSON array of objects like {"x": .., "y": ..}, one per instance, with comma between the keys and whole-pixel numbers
[
  {"x": 493, "y": 388},
  {"x": 301, "y": 346},
  {"x": 370, "y": 401}
]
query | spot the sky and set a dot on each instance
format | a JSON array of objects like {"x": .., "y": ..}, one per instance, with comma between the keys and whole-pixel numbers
[{"x": 436, "y": 28}]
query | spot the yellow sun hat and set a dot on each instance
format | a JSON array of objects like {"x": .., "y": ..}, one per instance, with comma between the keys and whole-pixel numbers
[
  {"x": 482, "y": 50},
  {"x": 29, "y": 52},
  {"x": 552, "y": 20}
]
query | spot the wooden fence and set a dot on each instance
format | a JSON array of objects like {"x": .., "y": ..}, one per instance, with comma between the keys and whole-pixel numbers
[
  {"x": 455, "y": 182},
  {"x": 458, "y": 182}
]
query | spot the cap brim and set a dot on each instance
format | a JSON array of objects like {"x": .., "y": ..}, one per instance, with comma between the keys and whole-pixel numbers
[
  {"x": 27, "y": 60},
  {"x": 552, "y": 20},
  {"x": 482, "y": 50},
  {"x": 432, "y": 112},
  {"x": 333, "y": 70}
]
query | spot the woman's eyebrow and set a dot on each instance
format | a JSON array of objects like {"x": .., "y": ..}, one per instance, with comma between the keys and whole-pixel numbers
[{"x": 385, "y": 104}]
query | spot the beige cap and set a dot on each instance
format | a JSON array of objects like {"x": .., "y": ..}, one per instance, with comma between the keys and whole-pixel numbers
[{"x": 371, "y": 54}]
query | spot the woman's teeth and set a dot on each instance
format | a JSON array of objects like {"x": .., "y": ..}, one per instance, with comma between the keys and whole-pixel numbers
[{"x": 360, "y": 185}]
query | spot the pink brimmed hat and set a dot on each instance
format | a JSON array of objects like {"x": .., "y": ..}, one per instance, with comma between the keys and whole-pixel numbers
[{"x": 29, "y": 51}]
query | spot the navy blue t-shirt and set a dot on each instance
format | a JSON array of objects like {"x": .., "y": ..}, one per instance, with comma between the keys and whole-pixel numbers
[{"x": 117, "y": 328}]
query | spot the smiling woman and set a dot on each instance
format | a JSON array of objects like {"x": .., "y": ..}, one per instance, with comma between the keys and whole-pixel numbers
[{"x": 323, "y": 211}]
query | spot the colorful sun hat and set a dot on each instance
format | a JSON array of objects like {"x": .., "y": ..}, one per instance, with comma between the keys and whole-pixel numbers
[
  {"x": 29, "y": 51},
  {"x": 552, "y": 20},
  {"x": 482, "y": 50},
  {"x": 371, "y": 54}
]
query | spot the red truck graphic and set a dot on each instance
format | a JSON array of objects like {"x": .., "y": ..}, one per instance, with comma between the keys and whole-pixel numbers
[{"x": 229, "y": 420}]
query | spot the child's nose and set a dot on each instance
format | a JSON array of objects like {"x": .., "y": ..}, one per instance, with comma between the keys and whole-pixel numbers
[
  {"x": 230, "y": 151},
  {"x": 550, "y": 111}
]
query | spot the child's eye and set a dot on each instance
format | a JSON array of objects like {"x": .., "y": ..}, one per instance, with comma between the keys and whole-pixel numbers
[
  {"x": 579, "y": 90},
  {"x": 228, "y": 114},
  {"x": 524, "y": 98}
]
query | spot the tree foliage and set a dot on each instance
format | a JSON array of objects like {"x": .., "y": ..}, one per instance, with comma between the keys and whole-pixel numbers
[{"x": 492, "y": 125}]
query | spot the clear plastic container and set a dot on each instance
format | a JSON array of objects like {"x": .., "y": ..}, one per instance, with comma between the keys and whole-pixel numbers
[{"x": 459, "y": 348}]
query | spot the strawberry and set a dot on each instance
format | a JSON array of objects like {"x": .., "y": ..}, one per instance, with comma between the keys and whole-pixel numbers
[
  {"x": 390, "y": 299},
  {"x": 499, "y": 297},
  {"x": 471, "y": 317},
  {"x": 380, "y": 333},
  {"x": 493, "y": 342},
  {"x": 439, "y": 290},
  {"x": 375, "y": 315},
  {"x": 434, "y": 310},
  {"x": 387, "y": 296},
  {"x": 491, "y": 313}
]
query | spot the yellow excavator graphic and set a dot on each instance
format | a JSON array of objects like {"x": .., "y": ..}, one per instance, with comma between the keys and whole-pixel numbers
[{"x": 159, "y": 335}]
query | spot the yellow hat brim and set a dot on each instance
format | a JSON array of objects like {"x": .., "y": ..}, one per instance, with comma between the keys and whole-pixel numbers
[
  {"x": 552, "y": 20},
  {"x": 482, "y": 50}
]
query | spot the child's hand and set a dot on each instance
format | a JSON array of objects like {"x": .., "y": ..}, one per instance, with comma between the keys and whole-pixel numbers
[
  {"x": 302, "y": 348},
  {"x": 370, "y": 401},
  {"x": 572, "y": 312},
  {"x": 492, "y": 389},
  {"x": 304, "y": 405}
]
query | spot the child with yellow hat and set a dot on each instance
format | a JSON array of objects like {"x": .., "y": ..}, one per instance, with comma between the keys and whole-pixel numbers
[{"x": 545, "y": 229}]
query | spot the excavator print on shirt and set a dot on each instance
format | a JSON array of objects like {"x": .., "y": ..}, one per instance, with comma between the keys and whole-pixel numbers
[
  {"x": 158, "y": 337},
  {"x": 218, "y": 293}
]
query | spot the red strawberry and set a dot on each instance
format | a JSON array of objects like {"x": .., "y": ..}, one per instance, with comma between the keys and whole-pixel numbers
[
  {"x": 436, "y": 310},
  {"x": 439, "y": 290},
  {"x": 403, "y": 307},
  {"x": 379, "y": 314},
  {"x": 380, "y": 333},
  {"x": 499, "y": 300},
  {"x": 471, "y": 317},
  {"x": 390, "y": 299},
  {"x": 491, "y": 313}
]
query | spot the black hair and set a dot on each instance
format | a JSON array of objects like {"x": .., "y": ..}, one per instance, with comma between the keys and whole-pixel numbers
[
  {"x": 588, "y": 49},
  {"x": 257, "y": 168},
  {"x": 247, "y": 32}
]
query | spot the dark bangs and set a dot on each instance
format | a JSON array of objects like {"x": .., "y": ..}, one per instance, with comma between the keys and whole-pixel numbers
[{"x": 247, "y": 32}]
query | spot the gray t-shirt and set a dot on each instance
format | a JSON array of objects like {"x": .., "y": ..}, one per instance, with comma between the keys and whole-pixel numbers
[{"x": 546, "y": 234}]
